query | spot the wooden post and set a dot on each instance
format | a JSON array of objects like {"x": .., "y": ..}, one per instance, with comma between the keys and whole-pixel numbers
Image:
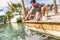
[
  {"x": 55, "y": 7},
  {"x": 59, "y": 2},
  {"x": 23, "y": 8}
]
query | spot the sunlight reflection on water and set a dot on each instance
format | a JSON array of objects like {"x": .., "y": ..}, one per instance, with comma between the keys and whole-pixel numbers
[{"x": 15, "y": 25}]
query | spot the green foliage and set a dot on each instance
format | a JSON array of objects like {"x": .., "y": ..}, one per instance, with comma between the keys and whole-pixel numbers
[
  {"x": 48, "y": 5},
  {"x": 13, "y": 7},
  {"x": 19, "y": 19},
  {"x": 1, "y": 17},
  {"x": 9, "y": 14}
]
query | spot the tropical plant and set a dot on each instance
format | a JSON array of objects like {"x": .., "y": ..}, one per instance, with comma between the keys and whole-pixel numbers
[
  {"x": 9, "y": 14},
  {"x": 13, "y": 7}
]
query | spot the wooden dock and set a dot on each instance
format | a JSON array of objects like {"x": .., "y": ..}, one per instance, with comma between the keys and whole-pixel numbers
[{"x": 50, "y": 26}]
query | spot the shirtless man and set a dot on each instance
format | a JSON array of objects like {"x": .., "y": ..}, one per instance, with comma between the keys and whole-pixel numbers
[{"x": 41, "y": 10}]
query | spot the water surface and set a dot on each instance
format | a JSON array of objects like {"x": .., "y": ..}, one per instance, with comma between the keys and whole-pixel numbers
[{"x": 17, "y": 31}]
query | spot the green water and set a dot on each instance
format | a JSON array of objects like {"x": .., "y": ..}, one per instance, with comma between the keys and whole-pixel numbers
[{"x": 17, "y": 31}]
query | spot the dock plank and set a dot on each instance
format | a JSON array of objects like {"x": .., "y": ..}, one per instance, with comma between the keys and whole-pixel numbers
[{"x": 52, "y": 19}]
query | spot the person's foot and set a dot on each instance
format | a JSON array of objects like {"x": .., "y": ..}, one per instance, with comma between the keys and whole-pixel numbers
[
  {"x": 44, "y": 18},
  {"x": 26, "y": 19},
  {"x": 37, "y": 19}
]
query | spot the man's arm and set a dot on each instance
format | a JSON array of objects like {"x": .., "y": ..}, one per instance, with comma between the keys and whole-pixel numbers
[{"x": 28, "y": 15}]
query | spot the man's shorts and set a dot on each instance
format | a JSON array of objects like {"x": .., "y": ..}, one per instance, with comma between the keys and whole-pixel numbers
[{"x": 38, "y": 15}]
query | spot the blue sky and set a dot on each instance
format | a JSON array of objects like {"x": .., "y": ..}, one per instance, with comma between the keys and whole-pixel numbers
[{"x": 27, "y": 2}]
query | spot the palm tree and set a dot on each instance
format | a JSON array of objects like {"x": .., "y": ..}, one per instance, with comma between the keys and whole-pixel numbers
[
  {"x": 9, "y": 15},
  {"x": 13, "y": 7}
]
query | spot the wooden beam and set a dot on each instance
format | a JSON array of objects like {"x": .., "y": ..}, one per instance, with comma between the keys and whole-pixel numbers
[
  {"x": 23, "y": 7},
  {"x": 48, "y": 26},
  {"x": 55, "y": 7}
]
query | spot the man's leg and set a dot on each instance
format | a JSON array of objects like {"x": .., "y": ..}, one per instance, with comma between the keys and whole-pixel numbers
[
  {"x": 44, "y": 11},
  {"x": 37, "y": 16}
]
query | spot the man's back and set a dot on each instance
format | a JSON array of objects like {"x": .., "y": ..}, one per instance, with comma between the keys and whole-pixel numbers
[{"x": 38, "y": 8}]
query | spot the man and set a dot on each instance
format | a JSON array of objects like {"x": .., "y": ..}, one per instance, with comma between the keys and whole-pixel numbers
[{"x": 41, "y": 10}]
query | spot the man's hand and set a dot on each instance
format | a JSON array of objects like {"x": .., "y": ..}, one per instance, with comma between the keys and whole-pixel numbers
[{"x": 28, "y": 15}]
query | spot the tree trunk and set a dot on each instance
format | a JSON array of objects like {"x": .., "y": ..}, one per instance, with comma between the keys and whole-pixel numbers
[
  {"x": 55, "y": 7},
  {"x": 23, "y": 8}
]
